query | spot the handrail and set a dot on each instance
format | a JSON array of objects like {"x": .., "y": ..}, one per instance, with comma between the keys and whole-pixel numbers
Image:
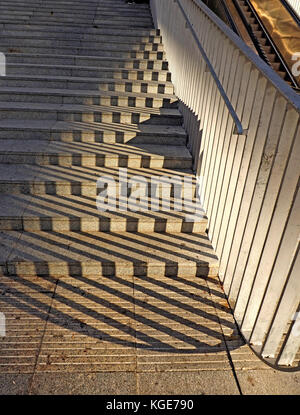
[
  {"x": 251, "y": 34},
  {"x": 230, "y": 19},
  {"x": 238, "y": 124}
]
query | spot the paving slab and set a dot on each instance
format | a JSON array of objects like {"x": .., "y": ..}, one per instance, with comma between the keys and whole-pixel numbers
[
  {"x": 188, "y": 383},
  {"x": 268, "y": 382},
  {"x": 110, "y": 383},
  {"x": 90, "y": 327},
  {"x": 15, "y": 384},
  {"x": 25, "y": 302}
]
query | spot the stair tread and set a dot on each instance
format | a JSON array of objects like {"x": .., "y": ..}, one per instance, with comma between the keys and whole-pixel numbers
[
  {"x": 81, "y": 40},
  {"x": 108, "y": 247},
  {"x": 84, "y": 79},
  {"x": 37, "y": 206},
  {"x": 83, "y": 92},
  {"x": 108, "y": 150},
  {"x": 79, "y": 174},
  {"x": 77, "y": 28},
  {"x": 29, "y": 106},
  {"x": 78, "y": 57},
  {"x": 53, "y": 125},
  {"x": 87, "y": 68}
]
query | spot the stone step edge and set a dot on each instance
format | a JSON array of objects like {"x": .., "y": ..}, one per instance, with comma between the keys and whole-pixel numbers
[
  {"x": 63, "y": 92},
  {"x": 96, "y": 58},
  {"x": 16, "y": 77},
  {"x": 80, "y": 108},
  {"x": 90, "y": 68}
]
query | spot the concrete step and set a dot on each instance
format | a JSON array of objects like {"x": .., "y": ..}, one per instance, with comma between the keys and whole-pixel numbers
[
  {"x": 85, "y": 61},
  {"x": 135, "y": 20},
  {"x": 37, "y": 3},
  {"x": 59, "y": 153},
  {"x": 92, "y": 35},
  {"x": 86, "y": 83},
  {"x": 61, "y": 10},
  {"x": 77, "y": 29},
  {"x": 6, "y": 18},
  {"x": 16, "y": 179},
  {"x": 87, "y": 72},
  {"x": 107, "y": 9},
  {"x": 113, "y": 16},
  {"x": 87, "y": 97},
  {"x": 124, "y": 54},
  {"x": 88, "y": 113},
  {"x": 48, "y": 41},
  {"x": 61, "y": 254},
  {"x": 89, "y": 132},
  {"x": 46, "y": 212},
  {"x": 69, "y": 19},
  {"x": 10, "y": 11}
]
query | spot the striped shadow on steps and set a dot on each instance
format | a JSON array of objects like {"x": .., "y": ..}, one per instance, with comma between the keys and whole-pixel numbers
[{"x": 88, "y": 92}]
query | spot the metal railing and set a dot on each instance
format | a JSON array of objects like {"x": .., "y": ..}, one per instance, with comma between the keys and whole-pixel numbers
[{"x": 250, "y": 181}]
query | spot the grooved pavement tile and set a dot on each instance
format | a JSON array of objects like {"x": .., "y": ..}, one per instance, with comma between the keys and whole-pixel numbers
[
  {"x": 90, "y": 327},
  {"x": 14, "y": 384},
  {"x": 25, "y": 303},
  {"x": 110, "y": 383},
  {"x": 187, "y": 383},
  {"x": 181, "y": 317}
]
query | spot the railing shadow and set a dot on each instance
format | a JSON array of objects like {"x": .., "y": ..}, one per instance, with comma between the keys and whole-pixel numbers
[
  {"x": 182, "y": 309},
  {"x": 157, "y": 303}
]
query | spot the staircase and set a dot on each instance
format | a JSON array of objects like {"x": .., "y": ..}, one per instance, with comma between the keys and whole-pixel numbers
[{"x": 87, "y": 92}]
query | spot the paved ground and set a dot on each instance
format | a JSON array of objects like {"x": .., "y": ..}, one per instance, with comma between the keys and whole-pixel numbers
[{"x": 141, "y": 335}]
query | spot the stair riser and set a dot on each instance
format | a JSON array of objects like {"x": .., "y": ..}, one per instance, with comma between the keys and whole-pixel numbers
[
  {"x": 93, "y": 3},
  {"x": 114, "y": 38},
  {"x": 91, "y": 86},
  {"x": 92, "y": 268},
  {"x": 85, "y": 52},
  {"x": 133, "y": 102},
  {"x": 88, "y": 4},
  {"x": 124, "y": 20},
  {"x": 92, "y": 160},
  {"x": 59, "y": 224},
  {"x": 134, "y": 119},
  {"x": 82, "y": 61},
  {"x": 67, "y": 188},
  {"x": 115, "y": 117},
  {"x": 58, "y": 10},
  {"x": 89, "y": 73},
  {"x": 91, "y": 137},
  {"x": 72, "y": 20},
  {"x": 89, "y": 117},
  {"x": 53, "y": 13},
  {"x": 101, "y": 29},
  {"x": 111, "y": 37},
  {"x": 122, "y": 16},
  {"x": 91, "y": 45}
]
